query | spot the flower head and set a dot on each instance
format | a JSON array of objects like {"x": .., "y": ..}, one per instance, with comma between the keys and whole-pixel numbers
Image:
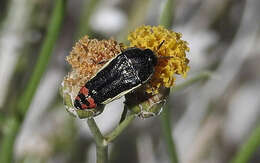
[
  {"x": 84, "y": 59},
  {"x": 173, "y": 49}
]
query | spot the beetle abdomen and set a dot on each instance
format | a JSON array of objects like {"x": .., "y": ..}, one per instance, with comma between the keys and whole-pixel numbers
[{"x": 115, "y": 78}]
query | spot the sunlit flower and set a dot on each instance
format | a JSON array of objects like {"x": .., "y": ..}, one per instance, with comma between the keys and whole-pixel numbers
[
  {"x": 87, "y": 54},
  {"x": 173, "y": 49}
]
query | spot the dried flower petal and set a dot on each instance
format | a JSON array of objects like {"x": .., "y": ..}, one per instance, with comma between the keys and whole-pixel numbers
[{"x": 84, "y": 59}]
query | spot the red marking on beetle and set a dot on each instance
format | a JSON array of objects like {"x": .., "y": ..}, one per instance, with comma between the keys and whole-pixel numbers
[
  {"x": 84, "y": 91},
  {"x": 78, "y": 98},
  {"x": 84, "y": 106},
  {"x": 92, "y": 103}
]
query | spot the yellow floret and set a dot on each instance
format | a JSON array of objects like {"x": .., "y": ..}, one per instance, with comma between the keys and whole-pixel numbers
[{"x": 173, "y": 47}]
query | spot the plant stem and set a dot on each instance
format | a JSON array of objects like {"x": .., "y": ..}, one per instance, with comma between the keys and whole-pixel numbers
[
  {"x": 165, "y": 117},
  {"x": 167, "y": 132},
  {"x": 120, "y": 128},
  {"x": 88, "y": 10},
  {"x": 166, "y": 20},
  {"x": 201, "y": 76},
  {"x": 102, "y": 154},
  {"x": 167, "y": 15},
  {"x": 101, "y": 144},
  {"x": 11, "y": 128},
  {"x": 26, "y": 98},
  {"x": 136, "y": 18},
  {"x": 249, "y": 147},
  {"x": 44, "y": 56},
  {"x": 99, "y": 139}
]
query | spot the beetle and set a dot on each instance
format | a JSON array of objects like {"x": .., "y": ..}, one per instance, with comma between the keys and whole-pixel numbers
[{"x": 125, "y": 72}]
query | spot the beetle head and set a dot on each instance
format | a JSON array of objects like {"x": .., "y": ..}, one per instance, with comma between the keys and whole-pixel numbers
[{"x": 151, "y": 57}]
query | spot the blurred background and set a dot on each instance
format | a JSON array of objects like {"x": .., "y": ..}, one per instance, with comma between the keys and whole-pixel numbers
[{"x": 210, "y": 119}]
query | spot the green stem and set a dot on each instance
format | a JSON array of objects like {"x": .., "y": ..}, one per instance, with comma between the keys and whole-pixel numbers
[
  {"x": 249, "y": 147},
  {"x": 44, "y": 56},
  {"x": 102, "y": 154},
  {"x": 88, "y": 9},
  {"x": 11, "y": 128},
  {"x": 165, "y": 117},
  {"x": 99, "y": 139},
  {"x": 101, "y": 144},
  {"x": 120, "y": 128},
  {"x": 167, "y": 132},
  {"x": 26, "y": 98},
  {"x": 201, "y": 76},
  {"x": 136, "y": 18},
  {"x": 166, "y": 20},
  {"x": 167, "y": 15}
]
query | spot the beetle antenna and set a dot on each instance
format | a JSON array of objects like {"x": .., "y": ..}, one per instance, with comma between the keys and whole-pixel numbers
[
  {"x": 163, "y": 57},
  {"x": 160, "y": 45}
]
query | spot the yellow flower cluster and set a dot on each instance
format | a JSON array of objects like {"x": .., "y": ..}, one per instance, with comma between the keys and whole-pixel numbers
[{"x": 173, "y": 47}]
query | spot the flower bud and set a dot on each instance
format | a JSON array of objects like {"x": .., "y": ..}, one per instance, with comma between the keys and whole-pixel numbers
[{"x": 146, "y": 105}]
